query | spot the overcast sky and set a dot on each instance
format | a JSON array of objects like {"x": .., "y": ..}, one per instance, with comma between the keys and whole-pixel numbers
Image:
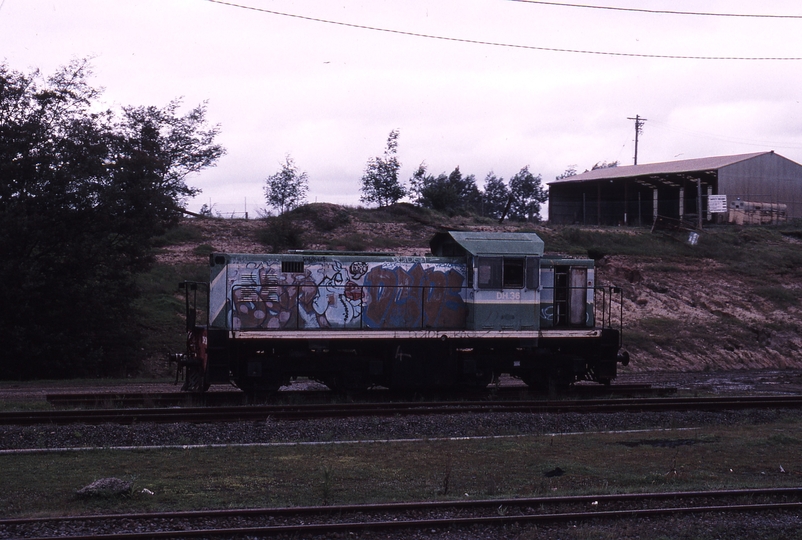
[{"x": 329, "y": 94}]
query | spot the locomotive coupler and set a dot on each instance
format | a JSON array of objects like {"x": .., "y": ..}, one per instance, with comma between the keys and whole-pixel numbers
[{"x": 182, "y": 362}]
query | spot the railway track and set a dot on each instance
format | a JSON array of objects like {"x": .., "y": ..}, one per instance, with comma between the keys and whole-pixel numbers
[
  {"x": 219, "y": 398},
  {"x": 430, "y": 517},
  {"x": 343, "y": 410}
]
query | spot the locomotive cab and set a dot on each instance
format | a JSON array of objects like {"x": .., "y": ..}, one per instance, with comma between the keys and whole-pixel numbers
[{"x": 503, "y": 277}]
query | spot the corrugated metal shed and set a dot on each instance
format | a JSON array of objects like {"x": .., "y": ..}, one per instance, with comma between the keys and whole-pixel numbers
[
  {"x": 453, "y": 243},
  {"x": 668, "y": 167},
  {"x": 637, "y": 194}
]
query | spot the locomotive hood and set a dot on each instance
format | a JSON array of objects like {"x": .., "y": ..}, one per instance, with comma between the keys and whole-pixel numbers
[{"x": 458, "y": 243}]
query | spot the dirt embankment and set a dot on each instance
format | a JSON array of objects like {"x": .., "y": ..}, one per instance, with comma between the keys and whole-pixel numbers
[
  {"x": 678, "y": 315},
  {"x": 688, "y": 317}
]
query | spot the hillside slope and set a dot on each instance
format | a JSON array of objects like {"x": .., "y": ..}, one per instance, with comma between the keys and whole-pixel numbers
[{"x": 732, "y": 302}]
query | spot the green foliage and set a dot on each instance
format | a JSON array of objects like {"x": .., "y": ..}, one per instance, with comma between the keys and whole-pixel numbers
[
  {"x": 604, "y": 165},
  {"x": 652, "y": 332},
  {"x": 752, "y": 252},
  {"x": 159, "y": 310},
  {"x": 781, "y": 439},
  {"x": 380, "y": 182},
  {"x": 178, "y": 235},
  {"x": 398, "y": 213},
  {"x": 527, "y": 195},
  {"x": 281, "y": 233},
  {"x": 496, "y": 197},
  {"x": 328, "y": 221},
  {"x": 741, "y": 453},
  {"x": 781, "y": 296},
  {"x": 452, "y": 194},
  {"x": 579, "y": 241},
  {"x": 287, "y": 188},
  {"x": 83, "y": 195},
  {"x": 349, "y": 242},
  {"x": 568, "y": 173},
  {"x": 203, "y": 249}
]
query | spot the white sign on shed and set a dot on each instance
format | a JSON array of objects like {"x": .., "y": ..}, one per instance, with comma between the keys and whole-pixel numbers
[{"x": 717, "y": 203}]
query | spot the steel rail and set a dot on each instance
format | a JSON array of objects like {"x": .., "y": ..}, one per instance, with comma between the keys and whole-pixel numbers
[
  {"x": 492, "y": 504},
  {"x": 343, "y": 410},
  {"x": 153, "y": 399}
]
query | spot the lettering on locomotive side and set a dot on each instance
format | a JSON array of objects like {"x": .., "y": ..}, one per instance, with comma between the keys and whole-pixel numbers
[{"x": 508, "y": 295}]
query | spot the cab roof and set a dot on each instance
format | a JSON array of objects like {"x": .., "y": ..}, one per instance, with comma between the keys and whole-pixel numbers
[{"x": 458, "y": 243}]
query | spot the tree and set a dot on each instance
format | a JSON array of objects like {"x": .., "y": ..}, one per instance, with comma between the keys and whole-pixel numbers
[
  {"x": 527, "y": 196},
  {"x": 451, "y": 193},
  {"x": 417, "y": 182},
  {"x": 495, "y": 197},
  {"x": 287, "y": 188},
  {"x": 380, "y": 183},
  {"x": 568, "y": 173},
  {"x": 83, "y": 194},
  {"x": 604, "y": 165}
]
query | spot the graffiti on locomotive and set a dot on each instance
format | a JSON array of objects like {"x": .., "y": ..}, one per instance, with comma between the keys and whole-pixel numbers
[{"x": 330, "y": 293}]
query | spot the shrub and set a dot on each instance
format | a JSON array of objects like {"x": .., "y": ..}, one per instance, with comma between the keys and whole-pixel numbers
[{"x": 281, "y": 234}]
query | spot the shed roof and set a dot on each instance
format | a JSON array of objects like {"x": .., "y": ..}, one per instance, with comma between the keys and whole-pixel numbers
[
  {"x": 487, "y": 243},
  {"x": 668, "y": 167}
]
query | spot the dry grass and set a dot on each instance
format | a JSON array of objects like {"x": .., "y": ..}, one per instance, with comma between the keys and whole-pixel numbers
[{"x": 742, "y": 456}]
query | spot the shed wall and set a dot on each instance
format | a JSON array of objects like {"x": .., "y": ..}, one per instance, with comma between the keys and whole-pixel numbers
[{"x": 769, "y": 178}]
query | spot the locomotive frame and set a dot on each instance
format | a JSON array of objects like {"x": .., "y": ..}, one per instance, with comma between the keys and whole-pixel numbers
[{"x": 480, "y": 305}]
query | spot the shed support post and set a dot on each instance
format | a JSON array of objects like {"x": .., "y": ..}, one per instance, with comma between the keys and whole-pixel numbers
[
  {"x": 699, "y": 201},
  {"x": 626, "y": 202},
  {"x": 654, "y": 210},
  {"x": 640, "y": 208},
  {"x": 598, "y": 204}
]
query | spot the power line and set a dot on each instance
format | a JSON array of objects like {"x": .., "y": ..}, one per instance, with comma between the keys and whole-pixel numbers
[
  {"x": 508, "y": 45},
  {"x": 661, "y": 11}
]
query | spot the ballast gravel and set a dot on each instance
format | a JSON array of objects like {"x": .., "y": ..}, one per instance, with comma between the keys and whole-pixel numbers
[{"x": 324, "y": 430}]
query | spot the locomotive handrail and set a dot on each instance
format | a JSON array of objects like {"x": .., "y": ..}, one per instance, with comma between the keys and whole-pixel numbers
[
  {"x": 606, "y": 307},
  {"x": 191, "y": 305},
  {"x": 291, "y": 305}
]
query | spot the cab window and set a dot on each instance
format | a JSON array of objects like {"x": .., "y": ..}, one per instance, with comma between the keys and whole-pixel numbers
[
  {"x": 501, "y": 272},
  {"x": 489, "y": 272},
  {"x": 513, "y": 273}
]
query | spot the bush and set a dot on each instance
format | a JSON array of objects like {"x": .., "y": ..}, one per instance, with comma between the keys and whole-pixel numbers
[{"x": 281, "y": 233}]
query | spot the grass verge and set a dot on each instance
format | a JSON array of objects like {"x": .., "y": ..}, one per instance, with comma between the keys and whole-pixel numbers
[{"x": 716, "y": 457}]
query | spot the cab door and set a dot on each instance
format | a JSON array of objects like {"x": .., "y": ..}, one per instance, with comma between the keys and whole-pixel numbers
[{"x": 570, "y": 295}]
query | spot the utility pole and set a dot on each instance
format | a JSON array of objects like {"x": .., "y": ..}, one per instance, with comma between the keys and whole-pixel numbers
[{"x": 638, "y": 130}]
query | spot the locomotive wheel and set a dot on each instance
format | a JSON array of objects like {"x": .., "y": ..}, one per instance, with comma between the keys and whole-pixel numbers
[
  {"x": 558, "y": 384},
  {"x": 541, "y": 382},
  {"x": 338, "y": 382},
  {"x": 263, "y": 385},
  {"x": 536, "y": 381},
  {"x": 483, "y": 380},
  {"x": 260, "y": 389}
]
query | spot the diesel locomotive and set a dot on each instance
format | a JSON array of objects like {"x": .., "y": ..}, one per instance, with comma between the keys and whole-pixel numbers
[{"x": 481, "y": 304}]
